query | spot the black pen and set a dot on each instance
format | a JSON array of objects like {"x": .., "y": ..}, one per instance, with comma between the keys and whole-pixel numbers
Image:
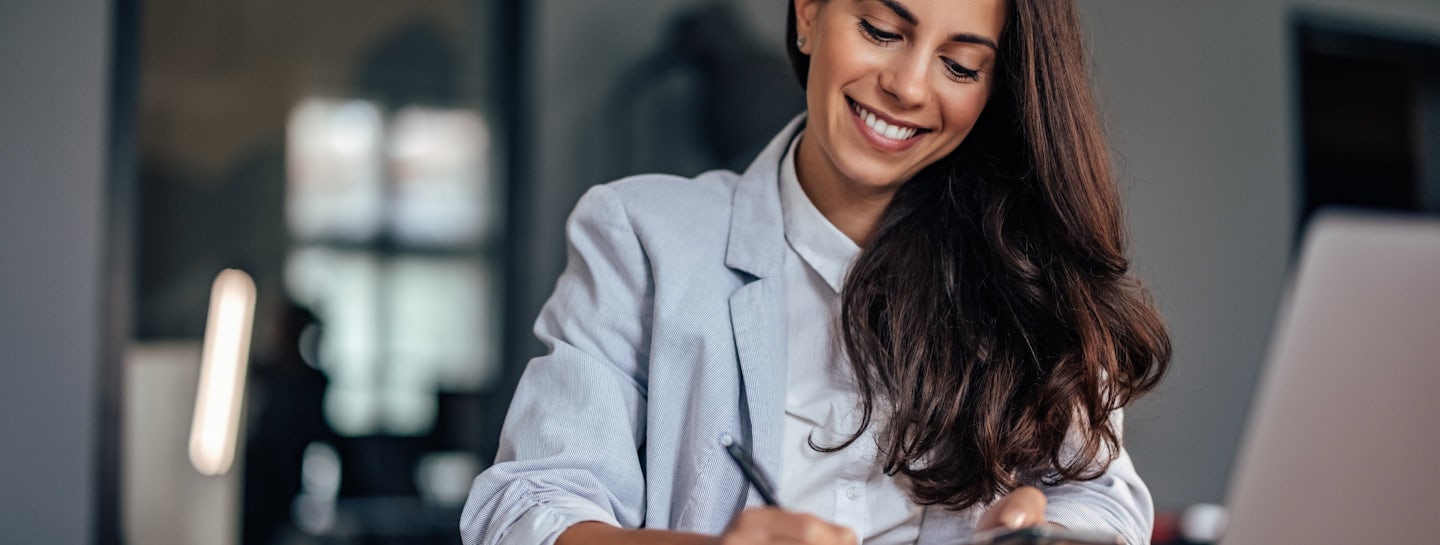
[{"x": 752, "y": 472}]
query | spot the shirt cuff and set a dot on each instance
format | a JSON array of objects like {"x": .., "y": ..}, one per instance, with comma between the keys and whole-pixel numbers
[
  {"x": 1077, "y": 516},
  {"x": 543, "y": 523}
]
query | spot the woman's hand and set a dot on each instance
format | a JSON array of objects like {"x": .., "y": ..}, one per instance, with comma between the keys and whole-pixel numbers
[
  {"x": 767, "y": 525},
  {"x": 757, "y": 526},
  {"x": 1025, "y": 506}
]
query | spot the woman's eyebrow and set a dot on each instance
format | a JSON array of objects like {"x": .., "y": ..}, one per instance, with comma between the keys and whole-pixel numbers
[
  {"x": 962, "y": 37},
  {"x": 901, "y": 10},
  {"x": 968, "y": 38}
]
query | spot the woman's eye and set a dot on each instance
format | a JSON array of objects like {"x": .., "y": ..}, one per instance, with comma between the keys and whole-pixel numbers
[
  {"x": 961, "y": 73},
  {"x": 876, "y": 35}
]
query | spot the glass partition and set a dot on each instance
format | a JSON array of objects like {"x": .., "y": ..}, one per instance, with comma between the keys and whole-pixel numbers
[{"x": 349, "y": 157}]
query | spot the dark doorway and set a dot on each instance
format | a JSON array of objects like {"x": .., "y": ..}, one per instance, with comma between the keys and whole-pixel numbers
[{"x": 1370, "y": 118}]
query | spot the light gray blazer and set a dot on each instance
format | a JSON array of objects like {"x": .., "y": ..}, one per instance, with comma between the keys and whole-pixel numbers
[{"x": 667, "y": 329}]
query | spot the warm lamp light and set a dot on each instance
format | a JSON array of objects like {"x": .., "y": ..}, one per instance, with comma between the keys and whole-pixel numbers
[{"x": 223, "y": 364}]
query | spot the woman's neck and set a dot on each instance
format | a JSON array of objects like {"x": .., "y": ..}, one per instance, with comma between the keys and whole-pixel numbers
[{"x": 851, "y": 207}]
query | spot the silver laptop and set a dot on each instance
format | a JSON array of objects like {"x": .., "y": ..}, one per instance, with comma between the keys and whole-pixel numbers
[{"x": 1343, "y": 445}]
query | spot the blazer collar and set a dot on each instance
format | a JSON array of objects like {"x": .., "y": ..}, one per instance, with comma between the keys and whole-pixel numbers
[{"x": 757, "y": 229}]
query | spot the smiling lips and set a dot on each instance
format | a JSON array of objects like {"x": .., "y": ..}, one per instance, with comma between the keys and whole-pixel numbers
[{"x": 885, "y": 134}]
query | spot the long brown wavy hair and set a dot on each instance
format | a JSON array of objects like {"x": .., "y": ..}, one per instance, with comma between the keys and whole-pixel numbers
[{"x": 992, "y": 321}]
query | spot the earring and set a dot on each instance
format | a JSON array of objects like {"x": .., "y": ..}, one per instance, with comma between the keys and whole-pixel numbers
[{"x": 799, "y": 42}]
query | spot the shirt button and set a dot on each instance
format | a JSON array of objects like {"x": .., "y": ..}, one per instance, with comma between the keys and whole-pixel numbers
[{"x": 852, "y": 492}]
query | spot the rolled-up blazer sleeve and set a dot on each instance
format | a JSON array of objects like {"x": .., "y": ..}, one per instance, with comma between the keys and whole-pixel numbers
[
  {"x": 569, "y": 448},
  {"x": 1117, "y": 501}
]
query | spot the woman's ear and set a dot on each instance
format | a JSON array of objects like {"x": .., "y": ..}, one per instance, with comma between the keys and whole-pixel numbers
[{"x": 806, "y": 13}]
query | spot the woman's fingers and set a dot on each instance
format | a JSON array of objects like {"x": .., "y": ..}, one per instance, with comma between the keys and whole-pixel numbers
[
  {"x": 1025, "y": 506},
  {"x": 768, "y": 525},
  {"x": 809, "y": 529}
]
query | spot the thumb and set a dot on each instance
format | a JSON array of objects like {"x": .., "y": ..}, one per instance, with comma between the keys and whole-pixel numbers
[{"x": 1025, "y": 506}]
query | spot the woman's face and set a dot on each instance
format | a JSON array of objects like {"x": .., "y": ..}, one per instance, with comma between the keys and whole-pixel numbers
[{"x": 895, "y": 85}]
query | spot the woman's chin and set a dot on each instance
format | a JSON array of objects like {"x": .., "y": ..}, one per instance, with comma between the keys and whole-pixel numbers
[{"x": 878, "y": 182}]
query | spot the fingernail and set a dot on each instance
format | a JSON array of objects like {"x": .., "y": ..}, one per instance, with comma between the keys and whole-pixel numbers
[{"x": 1014, "y": 519}]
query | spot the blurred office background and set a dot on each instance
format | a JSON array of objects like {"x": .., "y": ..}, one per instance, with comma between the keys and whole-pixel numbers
[{"x": 394, "y": 176}]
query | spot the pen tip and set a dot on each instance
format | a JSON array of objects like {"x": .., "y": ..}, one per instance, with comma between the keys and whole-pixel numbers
[{"x": 726, "y": 440}]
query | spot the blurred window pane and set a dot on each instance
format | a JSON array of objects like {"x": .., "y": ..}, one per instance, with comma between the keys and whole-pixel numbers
[
  {"x": 443, "y": 191},
  {"x": 335, "y": 186},
  {"x": 443, "y": 323}
]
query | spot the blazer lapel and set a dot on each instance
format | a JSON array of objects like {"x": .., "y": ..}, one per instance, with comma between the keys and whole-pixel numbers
[
  {"x": 757, "y": 228},
  {"x": 757, "y": 310},
  {"x": 757, "y": 314}
]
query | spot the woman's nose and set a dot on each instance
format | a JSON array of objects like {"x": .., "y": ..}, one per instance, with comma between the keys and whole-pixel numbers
[{"x": 905, "y": 80}]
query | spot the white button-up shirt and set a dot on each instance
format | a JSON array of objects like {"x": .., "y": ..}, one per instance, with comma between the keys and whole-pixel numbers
[{"x": 845, "y": 487}]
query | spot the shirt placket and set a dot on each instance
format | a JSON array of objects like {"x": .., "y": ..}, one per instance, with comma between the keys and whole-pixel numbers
[{"x": 851, "y": 504}]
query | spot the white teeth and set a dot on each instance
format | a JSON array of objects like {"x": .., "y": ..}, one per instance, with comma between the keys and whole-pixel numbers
[{"x": 892, "y": 132}]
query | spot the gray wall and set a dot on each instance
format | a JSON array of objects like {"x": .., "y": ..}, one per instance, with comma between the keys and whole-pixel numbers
[
  {"x": 53, "y": 59},
  {"x": 577, "y": 51},
  {"x": 1196, "y": 98}
]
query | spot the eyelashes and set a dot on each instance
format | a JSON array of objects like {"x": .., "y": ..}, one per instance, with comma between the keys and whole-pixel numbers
[
  {"x": 953, "y": 70},
  {"x": 876, "y": 35},
  {"x": 960, "y": 72}
]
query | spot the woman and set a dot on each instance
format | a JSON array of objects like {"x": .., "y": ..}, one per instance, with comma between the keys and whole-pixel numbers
[{"x": 914, "y": 305}]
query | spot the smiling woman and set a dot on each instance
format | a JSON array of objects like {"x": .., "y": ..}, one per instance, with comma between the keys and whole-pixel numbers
[{"x": 915, "y": 304}]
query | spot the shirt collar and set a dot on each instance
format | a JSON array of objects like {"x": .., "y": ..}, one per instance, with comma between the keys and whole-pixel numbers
[{"x": 818, "y": 242}]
